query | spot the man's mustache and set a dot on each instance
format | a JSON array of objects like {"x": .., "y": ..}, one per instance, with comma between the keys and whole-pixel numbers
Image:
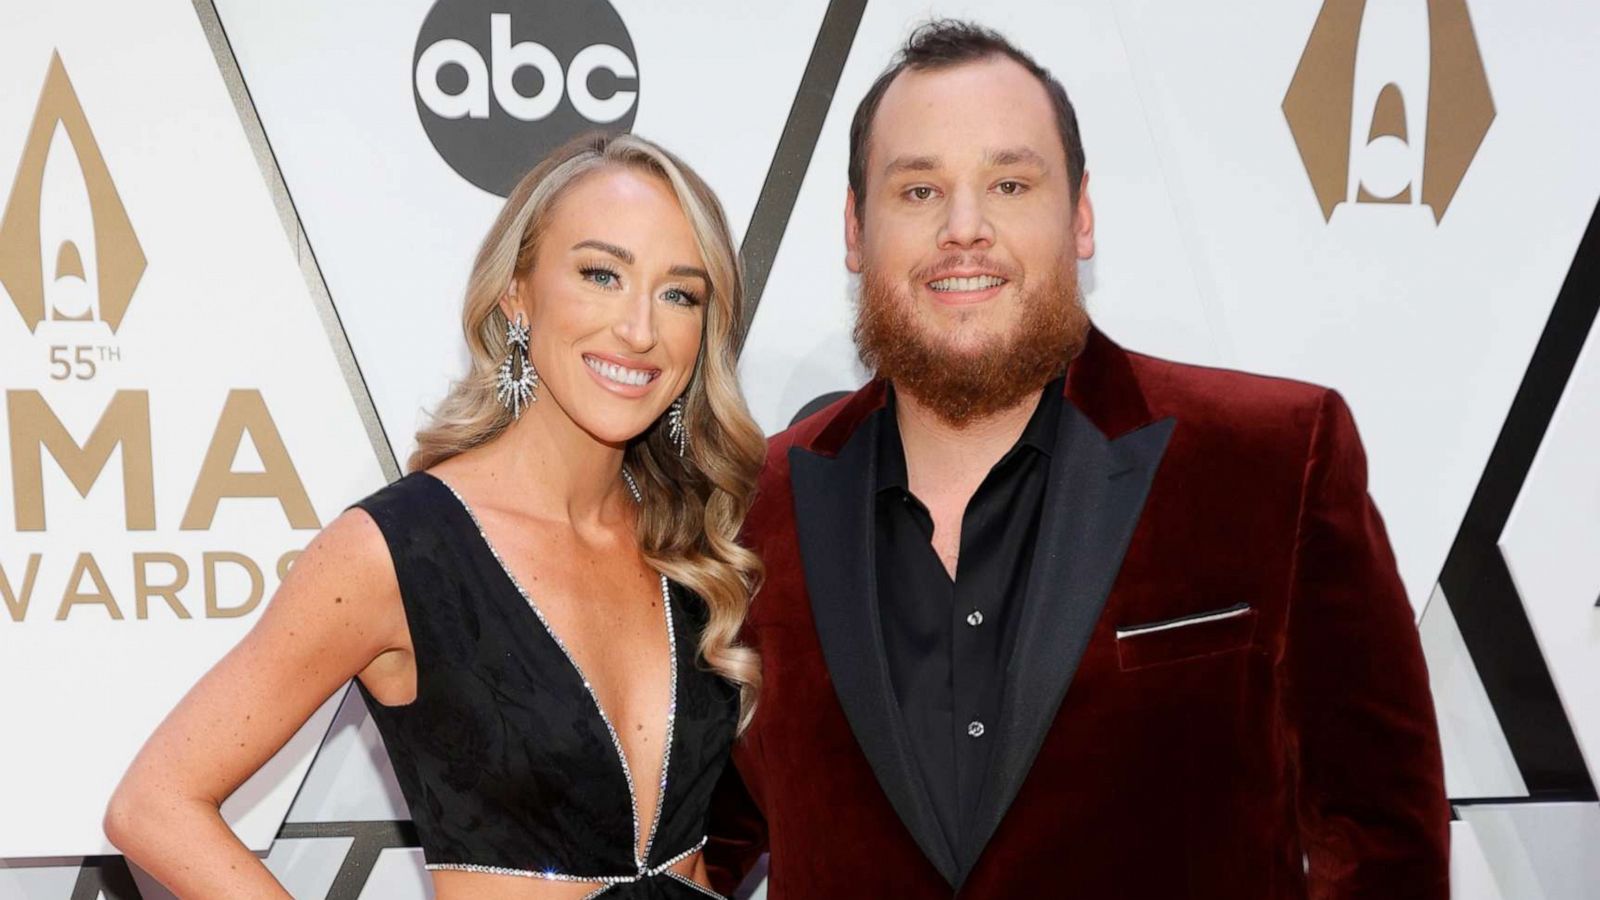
[{"x": 965, "y": 262}]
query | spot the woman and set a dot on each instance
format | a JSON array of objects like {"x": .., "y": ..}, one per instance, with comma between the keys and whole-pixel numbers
[{"x": 542, "y": 614}]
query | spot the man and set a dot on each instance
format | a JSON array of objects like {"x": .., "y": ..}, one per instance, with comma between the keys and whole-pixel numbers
[{"x": 1044, "y": 617}]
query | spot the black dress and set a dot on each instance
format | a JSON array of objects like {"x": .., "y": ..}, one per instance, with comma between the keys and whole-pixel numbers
[{"x": 506, "y": 758}]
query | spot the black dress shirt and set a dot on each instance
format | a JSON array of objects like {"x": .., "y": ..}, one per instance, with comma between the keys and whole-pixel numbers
[{"x": 947, "y": 641}]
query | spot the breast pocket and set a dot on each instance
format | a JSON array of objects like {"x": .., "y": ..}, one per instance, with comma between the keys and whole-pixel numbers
[{"x": 1185, "y": 637}]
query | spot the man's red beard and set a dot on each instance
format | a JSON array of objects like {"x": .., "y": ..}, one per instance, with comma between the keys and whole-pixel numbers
[{"x": 962, "y": 386}]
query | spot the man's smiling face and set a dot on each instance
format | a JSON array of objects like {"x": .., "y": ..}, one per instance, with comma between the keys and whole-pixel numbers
[{"x": 967, "y": 235}]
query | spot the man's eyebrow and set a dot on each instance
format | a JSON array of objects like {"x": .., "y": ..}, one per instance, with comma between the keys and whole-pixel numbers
[
  {"x": 682, "y": 271},
  {"x": 1011, "y": 156},
  {"x": 621, "y": 253},
  {"x": 911, "y": 164}
]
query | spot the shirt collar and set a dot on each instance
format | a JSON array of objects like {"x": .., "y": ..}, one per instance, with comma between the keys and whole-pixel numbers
[{"x": 1039, "y": 435}]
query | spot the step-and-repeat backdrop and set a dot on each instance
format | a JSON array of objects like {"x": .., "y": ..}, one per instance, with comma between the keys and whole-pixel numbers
[{"x": 235, "y": 237}]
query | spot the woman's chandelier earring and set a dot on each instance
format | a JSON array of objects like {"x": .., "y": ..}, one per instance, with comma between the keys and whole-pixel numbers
[
  {"x": 516, "y": 391},
  {"x": 677, "y": 434}
]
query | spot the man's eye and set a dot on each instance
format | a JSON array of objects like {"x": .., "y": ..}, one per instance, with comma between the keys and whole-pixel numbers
[
  {"x": 1011, "y": 187},
  {"x": 920, "y": 193}
]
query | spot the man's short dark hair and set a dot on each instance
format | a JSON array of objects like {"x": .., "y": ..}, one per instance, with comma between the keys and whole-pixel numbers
[{"x": 942, "y": 44}]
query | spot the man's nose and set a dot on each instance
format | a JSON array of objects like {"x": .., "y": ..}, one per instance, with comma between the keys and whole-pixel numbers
[{"x": 966, "y": 223}]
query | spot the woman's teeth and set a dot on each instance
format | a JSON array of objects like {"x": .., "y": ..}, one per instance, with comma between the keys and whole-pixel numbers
[
  {"x": 614, "y": 372},
  {"x": 975, "y": 283}
]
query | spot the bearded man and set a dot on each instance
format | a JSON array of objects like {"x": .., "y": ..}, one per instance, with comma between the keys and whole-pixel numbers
[{"x": 1047, "y": 618}]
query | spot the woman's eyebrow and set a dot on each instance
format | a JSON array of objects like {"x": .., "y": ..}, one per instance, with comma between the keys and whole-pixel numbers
[
  {"x": 621, "y": 253},
  {"x": 626, "y": 255}
]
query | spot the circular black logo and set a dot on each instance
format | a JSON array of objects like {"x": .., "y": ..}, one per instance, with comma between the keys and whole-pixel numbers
[{"x": 497, "y": 90}]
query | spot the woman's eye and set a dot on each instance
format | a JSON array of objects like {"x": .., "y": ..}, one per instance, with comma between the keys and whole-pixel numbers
[
  {"x": 681, "y": 297},
  {"x": 602, "y": 277}
]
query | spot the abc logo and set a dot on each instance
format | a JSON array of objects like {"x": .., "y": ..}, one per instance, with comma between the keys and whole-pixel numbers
[{"x": 500, "y": 84}]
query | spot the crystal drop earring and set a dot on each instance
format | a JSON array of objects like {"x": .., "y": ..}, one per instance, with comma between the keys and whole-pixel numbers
[
  {"x": 516, "y": 380},
  {"x": 677, "y": 433}
]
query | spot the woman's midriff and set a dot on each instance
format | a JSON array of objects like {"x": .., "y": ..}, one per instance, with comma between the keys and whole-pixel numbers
[{"x": 452, "y": 884}]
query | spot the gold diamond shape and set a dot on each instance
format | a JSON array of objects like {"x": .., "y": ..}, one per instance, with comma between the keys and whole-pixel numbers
[
  {"x": 121, "y": 260},
  {"x": 1318, "y": 103}
]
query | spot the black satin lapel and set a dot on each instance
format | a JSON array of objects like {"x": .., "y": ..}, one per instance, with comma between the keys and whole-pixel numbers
[
  {"x": 1093, "y": 500},
  {"x": 834, "y": 517}
]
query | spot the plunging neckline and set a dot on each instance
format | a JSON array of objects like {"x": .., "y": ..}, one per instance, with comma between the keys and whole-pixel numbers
[{"x": 641, "y": 858}]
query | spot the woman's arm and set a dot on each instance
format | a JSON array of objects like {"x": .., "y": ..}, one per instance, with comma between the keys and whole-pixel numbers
[{"x": 336, "y": 612}]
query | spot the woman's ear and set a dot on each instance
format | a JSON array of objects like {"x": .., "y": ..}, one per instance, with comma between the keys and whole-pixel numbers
[{"x": 510, "y": 303}]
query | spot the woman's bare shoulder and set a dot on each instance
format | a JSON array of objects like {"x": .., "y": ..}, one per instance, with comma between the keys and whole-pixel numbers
[{"x": 346, "y": 565}]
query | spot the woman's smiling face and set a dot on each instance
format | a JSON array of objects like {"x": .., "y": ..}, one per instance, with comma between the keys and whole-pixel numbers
[{"x": 615, "y": 303}]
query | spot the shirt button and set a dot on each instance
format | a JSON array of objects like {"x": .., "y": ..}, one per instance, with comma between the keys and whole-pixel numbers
[
  {"x": 975, "y": 728},
  {"x": 975, "y": 618}
]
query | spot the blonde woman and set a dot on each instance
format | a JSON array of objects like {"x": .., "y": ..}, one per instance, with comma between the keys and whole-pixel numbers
[{"x": 542, "y": 614}]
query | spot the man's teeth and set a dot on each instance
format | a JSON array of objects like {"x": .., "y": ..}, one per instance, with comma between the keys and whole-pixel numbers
[
  {"x": 976, "y": 283},
  {"x": 620, "y": 375}
]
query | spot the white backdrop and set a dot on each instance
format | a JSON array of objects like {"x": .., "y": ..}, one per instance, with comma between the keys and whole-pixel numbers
[
  {"x": 307, "y": 235},
  {"x": 218, "y": 319}
]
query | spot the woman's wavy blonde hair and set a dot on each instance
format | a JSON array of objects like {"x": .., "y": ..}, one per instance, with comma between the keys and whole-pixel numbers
[{"x": 693, "y": 505}]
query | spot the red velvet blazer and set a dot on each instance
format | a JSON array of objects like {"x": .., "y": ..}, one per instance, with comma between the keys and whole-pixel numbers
[{"x": 1217, "y": 689}]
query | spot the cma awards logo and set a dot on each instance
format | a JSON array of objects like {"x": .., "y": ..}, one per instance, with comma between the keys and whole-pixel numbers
[
  {"x": 67, "y": 249},
  {"x": 1390, "y": 103},
  {"x": 69, "y": 258},
  {"x": 500, "y": 84}
]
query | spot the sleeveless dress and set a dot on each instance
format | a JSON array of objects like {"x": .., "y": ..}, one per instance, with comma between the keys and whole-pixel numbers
[{"x": 505, "y": 757}]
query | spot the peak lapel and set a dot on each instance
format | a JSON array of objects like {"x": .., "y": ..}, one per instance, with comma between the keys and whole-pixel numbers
[
  {"x": 1093, "y": 499},
  {"x": 834, "y": 517}
]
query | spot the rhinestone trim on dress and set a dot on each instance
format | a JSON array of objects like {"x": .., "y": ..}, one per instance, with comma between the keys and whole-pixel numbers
[
  {"x": 641, "y": 860},
  {"x": 552, "y": 875},
  {"x": 675, "y": 876}
]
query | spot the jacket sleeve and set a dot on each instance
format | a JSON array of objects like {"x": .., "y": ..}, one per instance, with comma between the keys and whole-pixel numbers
[
  {"x": 1373, "y": 817},
  {"x": 737, "y": 833}
]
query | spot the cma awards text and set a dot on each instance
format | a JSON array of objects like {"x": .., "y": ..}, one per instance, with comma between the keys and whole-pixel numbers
[{"x": 204, "y": 582}]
